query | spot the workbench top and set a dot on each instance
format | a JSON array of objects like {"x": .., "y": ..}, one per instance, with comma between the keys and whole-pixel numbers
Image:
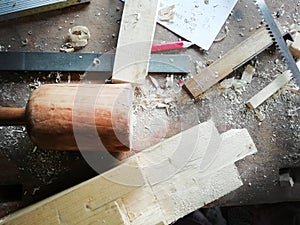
[{"x": 275, "y": 131}]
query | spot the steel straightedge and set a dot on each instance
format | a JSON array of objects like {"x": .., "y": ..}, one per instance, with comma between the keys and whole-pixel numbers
[
  {"x": 85, "y": 62},
  {"x": 277, "y": 37}
]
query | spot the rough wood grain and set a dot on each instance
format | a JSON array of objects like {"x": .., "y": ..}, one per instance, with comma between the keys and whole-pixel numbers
[
  {"x": 135, "y": 41},
  {"x": 87, "y": 203},
  {"x": 225, "y": 65},
  {"x": 200, "y": 182},
  {"x": 80, "y": 116},
  {"x": 130, "y": 194}
]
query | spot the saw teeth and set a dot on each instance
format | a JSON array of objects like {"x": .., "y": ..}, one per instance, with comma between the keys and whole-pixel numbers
[{"x": 276, "y": 36}]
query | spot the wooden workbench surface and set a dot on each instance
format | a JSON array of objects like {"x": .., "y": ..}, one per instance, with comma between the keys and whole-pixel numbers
[{"x": 274, "y": 129}]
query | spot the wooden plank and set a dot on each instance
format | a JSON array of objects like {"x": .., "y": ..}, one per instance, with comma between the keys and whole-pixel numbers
[
  {"x": 181, "y": 197},
  {"x": 196, "y": 185},
  {"x": 270, "y": 89},
  {"x": 130, "y": 194},
  {"x": 135, "y": 41},
  {"x": 191, "y": 187},
  {"x": 171, "y": 201},
  {"x": 222, "y": 67},
  {"x": 196, "y": 142},
  {"x": 142, "y": 207},
  {"x": 81, "y": 204}
]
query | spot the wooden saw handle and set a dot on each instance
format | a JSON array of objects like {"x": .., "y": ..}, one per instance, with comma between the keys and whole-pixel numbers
[{"x": 12, "y": 116}]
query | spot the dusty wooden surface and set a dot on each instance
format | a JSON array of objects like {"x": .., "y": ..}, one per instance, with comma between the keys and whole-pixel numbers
[{"x": 274, "y": 128}]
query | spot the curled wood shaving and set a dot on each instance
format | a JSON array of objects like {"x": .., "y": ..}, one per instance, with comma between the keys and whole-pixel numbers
[
  {"x": 79, "y": 36},
  {"x": 226, "y": 29},
  {"x": 166, "y": 13}
]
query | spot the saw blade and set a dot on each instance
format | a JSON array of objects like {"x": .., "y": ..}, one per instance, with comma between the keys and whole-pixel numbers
[{"x": 277, "y": 37}]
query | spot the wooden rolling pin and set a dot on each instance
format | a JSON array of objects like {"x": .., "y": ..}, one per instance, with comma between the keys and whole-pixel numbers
[{"x": 76, "y": 116}]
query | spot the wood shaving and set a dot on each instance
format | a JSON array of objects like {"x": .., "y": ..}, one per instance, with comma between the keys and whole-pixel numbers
[
  {"x": 67, "y": 47},
  {"x": 25, "y": 42},
  {"x": 154, "y": 82},
  {"x": 248, "y": 74},
  {"x": 166, "y": 13},
  {"x": 226, "y": 30},
  {"x": 79, "y": 36}
]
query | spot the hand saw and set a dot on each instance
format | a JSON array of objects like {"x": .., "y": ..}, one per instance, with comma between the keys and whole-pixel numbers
[{"x": 279, "y": 41}]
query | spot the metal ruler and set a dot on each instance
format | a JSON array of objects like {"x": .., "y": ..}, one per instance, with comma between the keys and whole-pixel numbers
[
  {"x": 85, "y": 62},
  {"x": 10, "y": 9},
  {"x": 279, "y": 41}
]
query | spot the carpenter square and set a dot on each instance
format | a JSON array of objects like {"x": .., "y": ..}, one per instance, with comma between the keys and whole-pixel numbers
[{"x": 279, "y": 41}]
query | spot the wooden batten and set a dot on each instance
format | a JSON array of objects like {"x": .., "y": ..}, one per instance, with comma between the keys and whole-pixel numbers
[
  {"x": 279, "y": 82},
  {"x": 135, "y": 41},
  {"x": 225, "y": 65}
]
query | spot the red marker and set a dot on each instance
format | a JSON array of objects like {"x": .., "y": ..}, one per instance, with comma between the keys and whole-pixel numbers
[{"x": 171, "y": 46}]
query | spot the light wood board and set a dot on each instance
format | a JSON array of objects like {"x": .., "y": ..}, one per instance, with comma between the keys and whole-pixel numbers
[
  {"x": 222, "y": 67},
  {"x": 131, "y": 194},
  {"x": 270, "y": 89},
  {"x": 135, "y": 41}
]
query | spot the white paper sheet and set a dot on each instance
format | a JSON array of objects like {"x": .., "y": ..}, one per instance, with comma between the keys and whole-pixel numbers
[{"x": 196, "y": 21}]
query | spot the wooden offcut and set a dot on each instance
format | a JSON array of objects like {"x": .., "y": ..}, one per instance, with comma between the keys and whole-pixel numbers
[
  {"x": 155, "y": 187},
  {"x": 222, "y": 67},
  {"x": 295, "y": 46},
  {"x": 270, "y": 89},
  {"x": 135, "y": 41}
]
